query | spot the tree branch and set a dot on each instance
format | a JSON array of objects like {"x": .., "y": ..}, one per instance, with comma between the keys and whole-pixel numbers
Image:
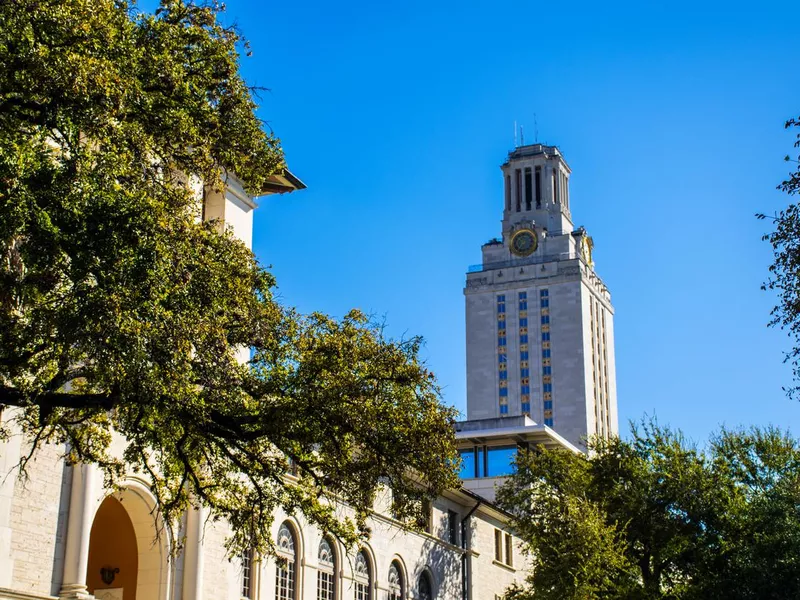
[{"x": 10, "y": 396}]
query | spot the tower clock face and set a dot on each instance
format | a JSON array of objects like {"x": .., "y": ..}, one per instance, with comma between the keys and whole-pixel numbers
[{"x": 524, "y": 242}]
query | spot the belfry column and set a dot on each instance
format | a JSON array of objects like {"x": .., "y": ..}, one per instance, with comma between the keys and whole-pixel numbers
[
  {"x": 79, "y": 528},
  {"x": 193, "y": 555}
]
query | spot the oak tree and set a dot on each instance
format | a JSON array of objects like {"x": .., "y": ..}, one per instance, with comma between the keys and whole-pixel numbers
[
  {"x": 123, "y": 315},
  {"x": 653, "y": 518},
  {"x": 784, "y": 273}
]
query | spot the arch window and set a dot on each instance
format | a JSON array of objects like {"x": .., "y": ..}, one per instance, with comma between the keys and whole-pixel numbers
[
  {"x": 424, "y": 588},
  {"x": 326, "y": 571},
  {"x": 363, "y": 577},
  {"x": 286, "y": 573},
  {"x": 396, "y": 583}
]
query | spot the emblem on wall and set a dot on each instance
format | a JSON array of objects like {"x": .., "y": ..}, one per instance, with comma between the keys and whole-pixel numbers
[{"x": 107, "y": 574}]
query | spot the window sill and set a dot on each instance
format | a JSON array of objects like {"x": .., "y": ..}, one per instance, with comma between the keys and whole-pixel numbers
[{"x": 504, "y": 566}]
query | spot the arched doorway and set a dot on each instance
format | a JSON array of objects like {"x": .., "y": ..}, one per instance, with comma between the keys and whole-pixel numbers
[
  {"x": 113, "y": 552},
  {"x": 127, "y": 525}
]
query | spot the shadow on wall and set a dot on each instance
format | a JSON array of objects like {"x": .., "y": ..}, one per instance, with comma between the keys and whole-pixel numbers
[{"x": 442, "y": 562}]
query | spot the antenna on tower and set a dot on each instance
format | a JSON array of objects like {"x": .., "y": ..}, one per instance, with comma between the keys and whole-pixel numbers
[
  {"x": 515, "y": 134},
  {"x": 521, "y": 135},
  {"x": 535, "y": 129}
]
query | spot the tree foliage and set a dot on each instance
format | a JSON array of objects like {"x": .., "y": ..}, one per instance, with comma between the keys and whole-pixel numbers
[
  {"x": 785, "y": 270},
  {"x": 655, "y": 518},
  {"x": 123, "y": 315}
]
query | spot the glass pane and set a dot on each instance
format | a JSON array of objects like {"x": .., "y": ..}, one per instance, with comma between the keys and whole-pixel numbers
[
  {"x": 501, "y": 461},
  {"x": 325, "y": 553},
  {"x": 395, "y": 582},
  {"x": 467, "y": 463},
  {"x": 362, "y": 566},
  {"x": 286, "y": 540}
]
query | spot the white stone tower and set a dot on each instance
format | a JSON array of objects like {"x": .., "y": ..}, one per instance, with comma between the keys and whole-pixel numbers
[{"x": 540, "y": 334}]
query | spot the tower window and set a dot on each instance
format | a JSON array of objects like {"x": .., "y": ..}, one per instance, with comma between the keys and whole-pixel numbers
[
  {"x": 508, "y": 193},
  {"x": 555, "y": 186},
  {"x": 501, "y": 347},
  {"x": 538, "y": 187},
  {"x": 518, "y": 189},
  {"x": 528, "y": 189}
]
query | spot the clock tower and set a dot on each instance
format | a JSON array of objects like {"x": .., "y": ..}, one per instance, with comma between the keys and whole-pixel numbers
[{"x": 540, "y": 335}]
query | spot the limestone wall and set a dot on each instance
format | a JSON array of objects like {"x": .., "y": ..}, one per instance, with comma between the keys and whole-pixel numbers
[{"x": 32, "y": 518}]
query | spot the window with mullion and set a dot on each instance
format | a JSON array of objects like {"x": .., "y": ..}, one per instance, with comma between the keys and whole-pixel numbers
[
  {"x": 396, "y": 583},
  {"x": 248, "y": 560},
  {"x": 326, "y": 583},
  {"x": 363, "y": 577},
  {"x": 325, "y": 586},
  {"x": 287, "y": 561}
]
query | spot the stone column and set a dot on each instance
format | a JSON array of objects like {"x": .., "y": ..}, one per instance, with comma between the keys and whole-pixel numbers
[
  {"x": 10, "y": 452},
  {"x": 79, "y": 528},
  {"x": 193, "y": 555}
]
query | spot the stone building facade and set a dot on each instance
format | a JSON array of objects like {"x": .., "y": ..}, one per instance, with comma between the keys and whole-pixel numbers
[{"x": 58, "y": 532}]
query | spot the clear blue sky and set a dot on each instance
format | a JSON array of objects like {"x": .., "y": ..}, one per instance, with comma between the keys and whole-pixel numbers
[{"x": 670, "y": 114}]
